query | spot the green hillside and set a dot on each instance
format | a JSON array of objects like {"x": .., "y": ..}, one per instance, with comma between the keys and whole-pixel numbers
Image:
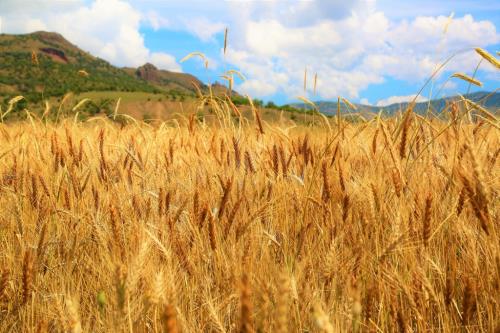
[{"x": 58, "y": 69}]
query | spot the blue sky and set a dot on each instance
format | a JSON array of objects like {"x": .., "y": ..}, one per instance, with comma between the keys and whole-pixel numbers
[{"x": 370, "y": 51}]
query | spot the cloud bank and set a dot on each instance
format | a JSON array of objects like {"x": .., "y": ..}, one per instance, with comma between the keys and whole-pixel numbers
[
  {"x": 108, "y": 29},
  {"x": 350, "y": 45}
]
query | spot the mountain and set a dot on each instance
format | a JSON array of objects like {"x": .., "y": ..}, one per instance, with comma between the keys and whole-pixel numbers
[
  {"x": 490, "y": 100},
  {"x": 45, "y": 62},
  {"x": 57, "y": 68},
  {"x": 173, "y": 82},
  {"x": 166, "y": 80}
]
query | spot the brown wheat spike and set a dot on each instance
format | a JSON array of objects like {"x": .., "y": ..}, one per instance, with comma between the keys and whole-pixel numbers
[
  {"x": 477, "y": 205},
  {"x": 482, "y": 190},
  {"x": 334, "y": 155},
  {"x": 4, "y": 280},
  {"x": 246, "y": 325},
  {"x": 284, "y": 162},
  {"x": 396, "y": 180},
  {"x": 275, "y": 161},
  {"x": 402, "y": 323},
  {"x": 369, "y": 303},
  {"x": 460, "y": 202},
  {"x": 237, "y": 153},
  {"x": 326, "y": 194},
  {"x": 42, "y": 326},
  {"x": 161, "y": 206},
  {"x": 211, "y": 233},
  {"x": 225, "y": 197},
  {"x": 374, "y": 142},
  {"x": 103, "y": 164},
  {"x": 257, "y": 117},
  {"x": 426, "y": 234},
  {"x": 404, "y": 135},
  {"x": 71, "y": 148},
  {"x": 115, "y": 228},
  {"x": 45, "y": 188},
  {"x": 468, "y": 302},
  {"x": 169, "y": 320},
  {"x": 67, "y": 199},
  {"x": 196, "y": 204},
  {"x": 80, "y": 153},
  {"x": 27, "y": 276},
  {"x": 341, "y": 178},
  {"x": 249, "y": 163},
  {"x": 34, "y": 191},
  {"x": 345, "y": 207},
  {"x": 95, "y": 195},
  {"x": 202, "y": 215}
]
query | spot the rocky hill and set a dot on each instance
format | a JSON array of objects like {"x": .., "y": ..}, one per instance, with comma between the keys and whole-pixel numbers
[{"x": 47, "y": 63}]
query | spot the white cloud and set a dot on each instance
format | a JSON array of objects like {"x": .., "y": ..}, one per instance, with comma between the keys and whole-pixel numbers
[
  {"x": 106, "y": 28},
  {"x": 164, "y": 61},
  {"x": 355, "y": 51},
  {"x": 155, "y": 20},
  {"x": 203, "y": 28},
  {"x": 400, "y": 99},
  {"x": 257, "y": 88},
  {"x": 364, "y": 101}
]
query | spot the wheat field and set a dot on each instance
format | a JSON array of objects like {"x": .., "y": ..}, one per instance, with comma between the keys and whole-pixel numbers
[{"x": 387, "y": 225}]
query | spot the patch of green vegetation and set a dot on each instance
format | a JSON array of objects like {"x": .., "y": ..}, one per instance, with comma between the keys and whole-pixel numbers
[{"x": 51, "y": 78}]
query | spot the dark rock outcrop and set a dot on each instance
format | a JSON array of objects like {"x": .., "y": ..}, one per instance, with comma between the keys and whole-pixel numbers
[{"x": 56, "y": 53}]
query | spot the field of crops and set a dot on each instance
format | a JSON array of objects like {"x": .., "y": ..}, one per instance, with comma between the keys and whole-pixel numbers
[{"x": 387, "y": 225}]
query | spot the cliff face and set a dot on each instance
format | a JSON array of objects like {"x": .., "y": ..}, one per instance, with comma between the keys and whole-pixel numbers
[
  {"x": 57, "y": 54},
  {"x": 148, "y": 72},
  {"x": 166, "y": 80}
]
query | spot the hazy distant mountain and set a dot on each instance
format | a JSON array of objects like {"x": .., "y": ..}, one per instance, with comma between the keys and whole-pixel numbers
[{"x": 490, "y": 100}]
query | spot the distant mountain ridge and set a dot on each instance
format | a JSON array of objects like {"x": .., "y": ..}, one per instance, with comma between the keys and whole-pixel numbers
[{"x": 489, "y": 100}]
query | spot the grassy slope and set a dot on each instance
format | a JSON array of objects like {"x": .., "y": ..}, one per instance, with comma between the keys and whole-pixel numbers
[{"x": 55, "y": 76}]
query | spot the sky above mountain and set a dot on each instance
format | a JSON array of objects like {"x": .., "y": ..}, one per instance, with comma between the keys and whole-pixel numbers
[{"x": 370, "y": 51}]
